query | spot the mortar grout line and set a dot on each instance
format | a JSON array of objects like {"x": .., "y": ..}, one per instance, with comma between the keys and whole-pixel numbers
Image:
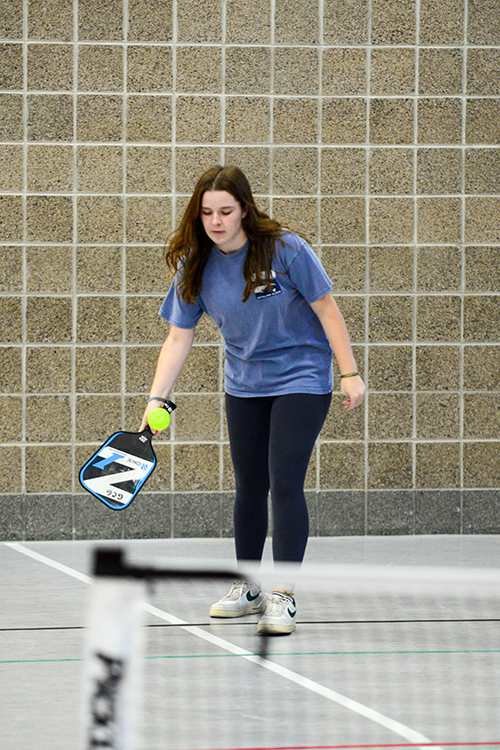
[
  {"x": 366, "y": 464},
  {"x": 175, "y": 35},
  {"x": 74, "y": 260},
  {"x": 24, "y": 300},
  {"x": 125, "y": 210},
  {"x": 463, "y": 259},
  {"x": 415, "y": 257}
]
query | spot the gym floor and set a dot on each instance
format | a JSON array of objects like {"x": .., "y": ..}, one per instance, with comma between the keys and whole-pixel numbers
[{"x": 347, "y": 677}]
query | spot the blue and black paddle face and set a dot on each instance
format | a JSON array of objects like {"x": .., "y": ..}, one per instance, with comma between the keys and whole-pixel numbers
[{"x": 118, "y": 470}]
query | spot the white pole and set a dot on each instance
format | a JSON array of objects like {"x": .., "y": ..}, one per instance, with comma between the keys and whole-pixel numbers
[{"x": 113, "y": 660}]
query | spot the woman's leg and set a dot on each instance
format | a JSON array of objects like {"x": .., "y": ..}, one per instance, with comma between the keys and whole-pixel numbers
[
  {"x": 248, "y": 421},
  {"x": 296, "y": 421}
]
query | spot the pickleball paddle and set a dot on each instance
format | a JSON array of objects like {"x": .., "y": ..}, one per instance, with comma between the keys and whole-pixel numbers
[{"x": 120, "y": 467}]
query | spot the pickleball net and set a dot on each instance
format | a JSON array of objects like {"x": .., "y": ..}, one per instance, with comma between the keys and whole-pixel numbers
[{"x": 381, "y": 657}]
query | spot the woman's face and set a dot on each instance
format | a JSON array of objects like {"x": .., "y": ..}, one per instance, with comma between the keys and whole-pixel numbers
[{"x": 221, "y": 215}]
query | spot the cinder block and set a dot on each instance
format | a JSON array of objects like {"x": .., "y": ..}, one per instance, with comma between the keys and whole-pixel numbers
[
  {"x": 437, "y": 368},
  {"x": 11, "y": 269},
  {"x": 99, "y": 118},
  {"x": 296, "y": 71},
  {"x": 390, "y": 466},
  {"x": 482, "y": 23},
  {"x": 98, "y": 270},
  {"x": 11, "y": 218},
  {"x": 438, "y": 318},
  {"x": 391, "y": 269},
  {"x": 50, "y": 117},
  {"x": 343, "y": 121},
  {"x": 48, "y": 468},
  {"x": 11, "y": 117},
  {"x": 343, "y": 171},
  {"x": 439, "y": 220},
  {"x": 99, "y": 320},
  {"x": 52, "y": 19},
  {"x": 393, "y": 22},
  {"x": 50, "y": 169},
  {"x": 390, "y": 318},
  {"x": 343, "y": 220},
  {"x": 391, "y": 171},
  {"x": 196, "y": 467},
  {"x": 100, "y": 218},
  {"x": 391, "y": 121},
  {"x": 438, "y": 418},
  {"x": 50, "y": 67},
  {"x": 11, "y": 66},
  {"x": 198, "y": 119},
  {"x": 295, "y": 121},
  {"x": 148, "y": 219},
  {"x": 100, "y": 23},
  {"x": 440, "y": 72},
  {"x": 441, "y": 24},
  {"x": 295, "y": 171},
  {"x": 49, "y": 320},
  {"x": 199, "y": 70},
  {"x": 100, "y": 68},
  {"x": 392, "y": 71},
  {"x": 48, "y": 369},
  {"x": 297, "y": 22},
  {"x": 341, "y": 466},
  {"x": 97, "y": 369},
  {"x": 150, "y": 21},
  {"x": 345, "y": 23},
  {"x": 248, "y": 23},
  {"x": 149, "y": 69},
  {"x": 200, "y": 23},
  {"x": 49, "y": 218},
  {"x": 391, "y": 220},
  {"x": 247, "y": 120},
  {"x": 248, "y": 70},
  {"x": 100, "y": 169},
  {"x": 343, "y": 71},
  {"x": 40, "y": 265}
]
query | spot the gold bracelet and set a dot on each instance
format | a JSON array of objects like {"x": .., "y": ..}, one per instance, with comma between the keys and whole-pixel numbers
[{"x": 349, "y": 375}]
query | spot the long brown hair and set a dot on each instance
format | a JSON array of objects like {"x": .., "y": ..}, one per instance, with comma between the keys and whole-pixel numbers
[{"x": 189, "y": 247}]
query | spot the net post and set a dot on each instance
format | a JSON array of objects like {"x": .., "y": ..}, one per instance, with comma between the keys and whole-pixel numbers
[
  {"x": 109, "y": 562},
  {"x": 113, "y": 655}
]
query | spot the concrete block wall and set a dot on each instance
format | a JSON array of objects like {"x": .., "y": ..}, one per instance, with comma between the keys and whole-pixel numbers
[{"x": 371, "y": 126}]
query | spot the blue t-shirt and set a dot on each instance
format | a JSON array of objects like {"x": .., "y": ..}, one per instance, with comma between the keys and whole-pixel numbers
[{"x": 274, "y": 342}]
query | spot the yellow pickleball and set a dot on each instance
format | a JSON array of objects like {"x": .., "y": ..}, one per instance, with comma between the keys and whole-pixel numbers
[{"x": 158, "y": 419}]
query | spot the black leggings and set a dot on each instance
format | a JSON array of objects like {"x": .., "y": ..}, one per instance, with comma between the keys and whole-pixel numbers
[{"x": 272, "y": 438}]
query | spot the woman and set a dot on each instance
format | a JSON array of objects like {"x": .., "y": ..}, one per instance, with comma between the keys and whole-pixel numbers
[{"x": 270, "y": 297}]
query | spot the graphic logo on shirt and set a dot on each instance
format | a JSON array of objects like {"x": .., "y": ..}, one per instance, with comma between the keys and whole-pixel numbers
[{"x": 270, "y": 290}]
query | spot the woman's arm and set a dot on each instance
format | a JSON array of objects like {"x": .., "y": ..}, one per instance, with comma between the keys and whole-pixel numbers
[
  {"x": 172, "y": 358},
  {"x": 336, "y": 332}
]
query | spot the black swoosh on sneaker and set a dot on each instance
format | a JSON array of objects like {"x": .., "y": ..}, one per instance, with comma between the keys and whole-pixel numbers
[
  {"x": 251, "y": 597},
  {"x": 292, "y": 614}
]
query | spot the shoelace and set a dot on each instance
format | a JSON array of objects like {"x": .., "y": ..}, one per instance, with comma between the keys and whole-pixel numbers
[
  {"x": 277, "y": 603},
  {"x": 237, "y": 590}
]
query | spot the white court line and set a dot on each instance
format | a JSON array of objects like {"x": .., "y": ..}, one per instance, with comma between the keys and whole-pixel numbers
[
  {"x": 47, "y": 561},
  {"x": 368, "y": 713}
]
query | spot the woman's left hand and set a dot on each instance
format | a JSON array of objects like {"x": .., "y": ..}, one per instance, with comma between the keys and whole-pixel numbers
[{"x": 353, "y": 390}]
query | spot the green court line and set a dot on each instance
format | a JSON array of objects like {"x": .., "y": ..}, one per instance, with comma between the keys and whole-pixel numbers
[
  {"x": 35, "y": 661},
  {"x": 291, "y": 653},
  {"x": 329, "y": 653}
]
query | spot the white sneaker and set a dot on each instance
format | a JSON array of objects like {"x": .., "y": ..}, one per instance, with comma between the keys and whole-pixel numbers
[
  {"x": 279, "y": 616},
  {"x": 244, "y": 598}
]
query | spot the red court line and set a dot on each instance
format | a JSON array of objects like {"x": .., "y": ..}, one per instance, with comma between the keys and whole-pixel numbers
[{"x": 372, "y": 747}]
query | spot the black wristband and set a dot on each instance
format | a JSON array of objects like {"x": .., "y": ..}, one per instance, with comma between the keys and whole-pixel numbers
[{"x": 169, "y": 405}]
